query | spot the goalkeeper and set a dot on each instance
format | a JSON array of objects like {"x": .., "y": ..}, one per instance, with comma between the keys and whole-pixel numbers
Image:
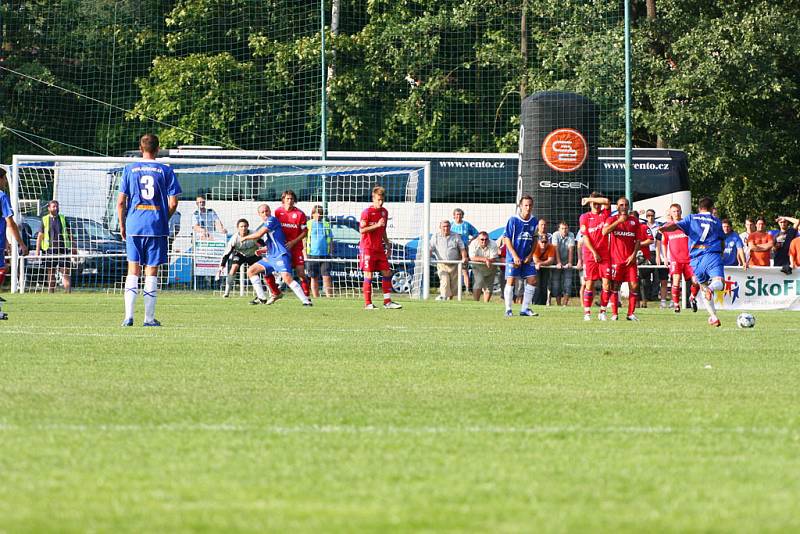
[{"x": 238, "y": 253}]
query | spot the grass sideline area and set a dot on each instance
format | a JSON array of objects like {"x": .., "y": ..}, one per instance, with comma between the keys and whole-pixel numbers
[{"x": 440, "y": 416}]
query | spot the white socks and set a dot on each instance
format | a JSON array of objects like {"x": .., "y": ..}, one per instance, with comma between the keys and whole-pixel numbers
[
  {"x": 149, "y": 294},
  {"x": 298, "y": 290},
  {"x": 228, "y": 283},
  {"x": 256, "y": 281},
  {"x": 527, "y": 296},
  {"x": 716, "y": 285},
  {"x": 508, "y": 296},
  {"x": 131, "y": 292},
  {"x": 709, "y": 303}
]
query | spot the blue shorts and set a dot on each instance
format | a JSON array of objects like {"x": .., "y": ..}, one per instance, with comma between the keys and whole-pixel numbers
[
  {"x": 150, "y": 251},
  {"x": 525, "y": 270},
  {"x": 707, "y": 266},
  {"x": 279, "y": 264}
]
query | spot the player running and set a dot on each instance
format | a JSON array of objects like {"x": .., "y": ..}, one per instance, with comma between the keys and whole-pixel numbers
[
  {"x": 148, "y": 196},
  {"x": 624, "y": 233},
  {"x": 372, "y": 250},
  {"x": 7, "y": 221},
  {"x": 519, "y": 239},
  {"x": 239, "y": 253},
  {"x": 596, "y": 254},
  {"x": 677, "y": 245},
  {"x": 705, "y": 252},
  {"x": 276, "y": 259},
  {"x": 293, "y": 221}
]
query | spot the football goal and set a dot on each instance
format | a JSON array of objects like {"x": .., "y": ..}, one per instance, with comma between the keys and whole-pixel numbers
[{"x": 217, "y": 193}]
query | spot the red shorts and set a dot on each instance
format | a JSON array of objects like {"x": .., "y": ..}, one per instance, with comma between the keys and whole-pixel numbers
[
  {"x": 681, "y": 268},
  {"x": 371, "y": 262},
  {"x": 595, "y": 271},
  {"x": 624, "y": 273},
  {"x": 298, "y": 260}
]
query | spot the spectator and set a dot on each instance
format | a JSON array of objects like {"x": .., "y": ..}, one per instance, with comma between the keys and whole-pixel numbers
[
  {"x": 783, "y": 240},
  {"x": 750, "y": 227},
  {"x": 319, "y": 247},
  {"x": 445, "y": 247},
  {"x": 544, "y": 255},
  {"x": 760, "y": 243},
  {"x": 468, "y": 234},
  {"x": 794, "y": 253},
  {"x": 56, "y": 239},
  {"x": 205, "y": 220},
  {"x": 561, "y": 276},
  {"x": 650, "y": 277},
  {"x": 483, "y": 252},
  {"x": 733, "y": 251}
]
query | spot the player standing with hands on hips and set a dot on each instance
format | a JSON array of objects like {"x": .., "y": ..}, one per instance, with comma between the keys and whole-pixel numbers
[{"x": 148, "y": 196}]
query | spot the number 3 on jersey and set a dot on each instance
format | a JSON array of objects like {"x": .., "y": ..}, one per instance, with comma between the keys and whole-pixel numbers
[{"x": 146, "y": 188}]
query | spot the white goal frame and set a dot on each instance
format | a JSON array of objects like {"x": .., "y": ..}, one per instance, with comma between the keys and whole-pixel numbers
[{"x": 425, "y": 166}]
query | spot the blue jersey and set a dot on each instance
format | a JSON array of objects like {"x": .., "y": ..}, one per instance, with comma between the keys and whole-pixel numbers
[
  {"x": 465, "y": 230},
  {"x": 275, "y": 240},
  {"x": 732, "y": 244},
  {"x": 148, "y": 184},
  {"x": 704, "y": 232},
  {"x": 521, "y": 233},
  {"x": 5, "y": 211}
]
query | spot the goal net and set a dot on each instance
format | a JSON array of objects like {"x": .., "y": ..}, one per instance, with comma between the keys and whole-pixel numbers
[{"x": 86, "y": 192}]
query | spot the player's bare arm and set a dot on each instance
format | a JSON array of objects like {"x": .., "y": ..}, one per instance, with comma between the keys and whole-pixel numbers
[
  {"x": 588, "y": 243},
  {"x": 510, "y": 248},
  {"x": 632, "y": 258},
  {"x": 11, "y": 225},
  {"x": 122, "y": 211},
  {"x": 597, "y": 200},
  {"x": 365, "y": 229},
  {"x": 609, "y": 227},
  {"x": 258, "y": 234}
]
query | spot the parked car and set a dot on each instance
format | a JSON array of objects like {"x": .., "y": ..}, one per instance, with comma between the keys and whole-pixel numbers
[{"x": 101, "y": 257}]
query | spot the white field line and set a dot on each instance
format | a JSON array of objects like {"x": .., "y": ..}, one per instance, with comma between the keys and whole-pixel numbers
[{"x": 391, "y": 430}]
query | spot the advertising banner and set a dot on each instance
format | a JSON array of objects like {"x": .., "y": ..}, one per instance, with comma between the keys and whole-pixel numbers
[
  {"x": 759, "y": 288},
  {"x": 208, "y": 254}
]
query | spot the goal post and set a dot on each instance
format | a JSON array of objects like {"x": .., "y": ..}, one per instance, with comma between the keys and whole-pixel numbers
[{"x": 86, "y": 189}]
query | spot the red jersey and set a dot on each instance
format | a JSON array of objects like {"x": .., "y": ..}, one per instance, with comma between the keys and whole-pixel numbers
[
  {"x": 645, "y": 235},
  {"x": 293, "y": 223},
  {"x": 623, "y": 238},
  {"x": 594, "y": 223},
  {"x": 372, "y": 242},
  {"x": 677, "y": 244}
]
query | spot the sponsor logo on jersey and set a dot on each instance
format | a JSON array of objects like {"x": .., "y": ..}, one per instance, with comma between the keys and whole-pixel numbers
[{"x": 565, "y": 150}]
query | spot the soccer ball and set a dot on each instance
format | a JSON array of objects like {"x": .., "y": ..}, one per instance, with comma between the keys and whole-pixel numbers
[{"x": 745, "y": 320}]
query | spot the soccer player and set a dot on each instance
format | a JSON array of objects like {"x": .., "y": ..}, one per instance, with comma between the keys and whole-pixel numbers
[
  {"x": 239, "y": 253},
  {"x": 677, "y": 245},
  {"x": 624, "y": 233},
  {"x": 293, "y": 221},
  {"x": 148, "y": 196},
  {"x": 373, "y": 246},
  {"x": 7, "y": 221},
  {"x": 276, "y": 259},
  {"x": 596, "y": 254},
  {"x": 705, "y": 252},
  {"x": 519, "y": 240}
]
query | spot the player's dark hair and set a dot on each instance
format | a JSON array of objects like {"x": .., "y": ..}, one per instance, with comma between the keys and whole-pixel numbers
[
  {"x": 676, "y": 206},
  {"x": 726, "y": 221},
  {"x": 149, "y": 143},
  {"x": 565, "y": 223},
  {"x": 761, "y": 219},
  {"x": 316, "y": 208},
  {"x": 525, "y": 197},
  {"x": 595, "y": 194},
  {"x": 2, "y": 172},
  {"x": 458, "y": 210},
  {"x": 287, "y": 193},
  {"x": 705, "y": 203},
  {"x": 242, "y": 221},
  {"x": 622, "y": 198}
]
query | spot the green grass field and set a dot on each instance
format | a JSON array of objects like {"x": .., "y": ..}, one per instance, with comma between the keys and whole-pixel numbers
[{"x": 440, "y": 416}]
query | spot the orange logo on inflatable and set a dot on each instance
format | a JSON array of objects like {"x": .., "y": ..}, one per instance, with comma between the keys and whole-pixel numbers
[{"x": 564, "y": 150}]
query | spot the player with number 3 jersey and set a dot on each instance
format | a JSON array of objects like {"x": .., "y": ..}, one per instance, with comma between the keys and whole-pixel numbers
[{"x": 148, "y": 196}]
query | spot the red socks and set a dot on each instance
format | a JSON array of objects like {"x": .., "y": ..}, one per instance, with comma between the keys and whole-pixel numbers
[
  {"x": 367, "y": 291},
  {"x": 386, "y": 285}
]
